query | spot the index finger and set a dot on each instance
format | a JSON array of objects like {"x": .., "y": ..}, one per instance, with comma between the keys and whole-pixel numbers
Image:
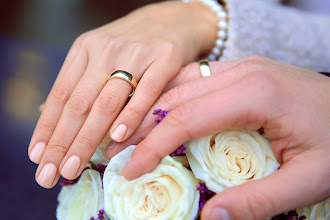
[
  {"x": 228, "y": 107},
  {"x": 72, "y": 70},
  {"x": 189, "y": 85}
]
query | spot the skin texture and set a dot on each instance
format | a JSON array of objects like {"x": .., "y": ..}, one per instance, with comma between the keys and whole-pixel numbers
[
  {"x": 292, "y": 106},
  {"x": 82, "y": 106}
]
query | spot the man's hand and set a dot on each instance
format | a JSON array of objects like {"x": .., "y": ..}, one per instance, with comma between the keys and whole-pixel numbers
[{"x": 291, "y": 104}]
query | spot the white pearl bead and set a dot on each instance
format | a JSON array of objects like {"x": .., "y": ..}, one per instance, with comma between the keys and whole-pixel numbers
[
  {"x": 223, "y": 24},
  {"x": 216, "y": 51},
  {"x": 212, "y": 57},
  {"x": 212, "y": 4},
  {"x": 222, "y": 34},
  {"x": 217, "y": 8},
  {"x": 222, "y": 14},
  {"x": 219, "y": 43}
]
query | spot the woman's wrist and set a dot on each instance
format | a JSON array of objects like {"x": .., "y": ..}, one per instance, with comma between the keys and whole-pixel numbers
[
  {"x": 214, "y": 17},
  {"x": 191, "y": 25},
  {"x": 206, "y": 26}
]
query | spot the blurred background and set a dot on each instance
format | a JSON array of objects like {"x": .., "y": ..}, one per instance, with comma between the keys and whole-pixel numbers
[{"x": 35, "y": 36}]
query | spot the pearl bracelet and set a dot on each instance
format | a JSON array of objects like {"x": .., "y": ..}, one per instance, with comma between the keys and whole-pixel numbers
[{"x": 222, "y": 27}]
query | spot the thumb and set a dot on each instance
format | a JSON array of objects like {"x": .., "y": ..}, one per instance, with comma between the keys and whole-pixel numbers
[
  {"x": 231, "y": 106},
  {"x": 284, "y": 190}
]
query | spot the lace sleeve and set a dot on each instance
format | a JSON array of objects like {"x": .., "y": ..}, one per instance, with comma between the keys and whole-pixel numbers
[{"x": 258, "y": 27}]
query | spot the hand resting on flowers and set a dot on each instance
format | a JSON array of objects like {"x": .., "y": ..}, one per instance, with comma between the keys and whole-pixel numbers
[
  {"x": 82, "y": 101},
  {"x": 291, "y": 105}
]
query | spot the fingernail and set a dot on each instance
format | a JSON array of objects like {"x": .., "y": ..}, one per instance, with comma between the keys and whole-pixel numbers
[
  {"x": 41, "y": 107},
  {"x": 47, "y": 175},
  {"x": 112, "y": 145},
  {"x": 126, "y": 166},
  {"x": 71, "y": 167},
  {"x": 220, "y": 214},
  {"x": 37, "y": 152},
  {"x": 119, "y": 133}
]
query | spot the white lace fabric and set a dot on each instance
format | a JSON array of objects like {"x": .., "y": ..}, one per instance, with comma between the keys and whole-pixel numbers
[{"x": 266, "y": 28}]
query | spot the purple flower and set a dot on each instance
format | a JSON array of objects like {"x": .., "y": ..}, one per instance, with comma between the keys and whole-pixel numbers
[
  {"x": 292, "y": 215},
  {"x": 100, "y": 216},
  {"x": 205, "y": 194},
  {"x": 161, "y": 113},
  {"x": 65, "y": 182},
  {"x": 179, "y": 152},
  {"x": 99, "y": 168}
]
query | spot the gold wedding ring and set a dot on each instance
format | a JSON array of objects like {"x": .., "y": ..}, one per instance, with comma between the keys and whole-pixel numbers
[
  {"x": 205, "y": 68},
  {"x": 121, "y": 74}
]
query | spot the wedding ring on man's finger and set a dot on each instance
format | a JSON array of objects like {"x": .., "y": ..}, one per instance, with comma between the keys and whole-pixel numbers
[
  {"x": 121, "y": 74},
  {"x": 205, "y": 68}
]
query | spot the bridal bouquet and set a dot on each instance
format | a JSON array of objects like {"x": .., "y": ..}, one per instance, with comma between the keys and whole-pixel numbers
[{"x": 179, "y": 186}]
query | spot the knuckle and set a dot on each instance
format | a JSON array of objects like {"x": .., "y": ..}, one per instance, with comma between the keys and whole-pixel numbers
[
  {"x": 171, "y": 98},
  {"x": 57, "y": 150},
  {"x": 261, "y": 83},
  {"x": 169, "y": 48},
  {"x": 112, "y": 43},
  {"x": 149, "y": 150},
  {"x": 136, "y": 113},
  {"x": 188, "y": 69},
  {"x": 177, "y": 116},
  {"x": 260, "y": 199},
  {"x": 151, "y": 86},
  {"x": 46, "y": 126},
  {"x": 86, "y": 39},
  {"x": 85, "y": 144},
  {"x": 59, "y": 95},
  {"x": 251, "y": 65},
  {"x": 108, "y": 103},
  {"x": 137, "y": 48},
  {"x": 79, "y": 105},
  {"x": 255, "y": 57}
]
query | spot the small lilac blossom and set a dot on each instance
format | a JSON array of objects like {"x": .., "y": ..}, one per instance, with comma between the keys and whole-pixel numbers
[
  {"x": 205, "y": 193},
  {"x": 100, "y": 216},
  {"x": 179, "y": 152},
  {"x": 292, "y": 215}
]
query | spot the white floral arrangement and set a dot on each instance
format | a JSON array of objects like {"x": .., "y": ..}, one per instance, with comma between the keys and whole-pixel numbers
[{"x": 179, "y": 186}]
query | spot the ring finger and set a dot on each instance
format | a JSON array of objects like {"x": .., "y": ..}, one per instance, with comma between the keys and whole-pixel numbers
[
  {"x": 192, "y": 87},
  {"x": 88, "y": 129}
]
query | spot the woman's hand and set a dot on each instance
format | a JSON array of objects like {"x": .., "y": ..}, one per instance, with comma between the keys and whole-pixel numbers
[
  {"x": 291, "y": 105},
  {"x": 151, "y": 43}
]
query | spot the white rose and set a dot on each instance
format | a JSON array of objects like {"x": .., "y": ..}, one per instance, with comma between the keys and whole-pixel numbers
[
  {"x": 168, "y": 192},
  {"x": 99, "y": 155},
  {"x": 231, "y": 158},
  {"x": 320, "y": 211},
  {"x": 81, "y": 200},
  {"x": 183, "y": 160}
]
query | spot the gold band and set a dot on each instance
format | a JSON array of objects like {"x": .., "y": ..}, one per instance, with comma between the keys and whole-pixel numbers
[
  {"x": 205, "y": 68},
  {"x": 121, "y": 74}
]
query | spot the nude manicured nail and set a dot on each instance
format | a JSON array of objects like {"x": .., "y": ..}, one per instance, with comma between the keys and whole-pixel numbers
[
  {"x": 47, "y": 175},
  {"x": 37, "y": 152},
  {"x": 112, "y": 145},
  {"x": 71, "y": 167},
  {"x": 220, "y": 214},
  {"x": 126, "y": 166},
  {"x": 119, "y": 133}
]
